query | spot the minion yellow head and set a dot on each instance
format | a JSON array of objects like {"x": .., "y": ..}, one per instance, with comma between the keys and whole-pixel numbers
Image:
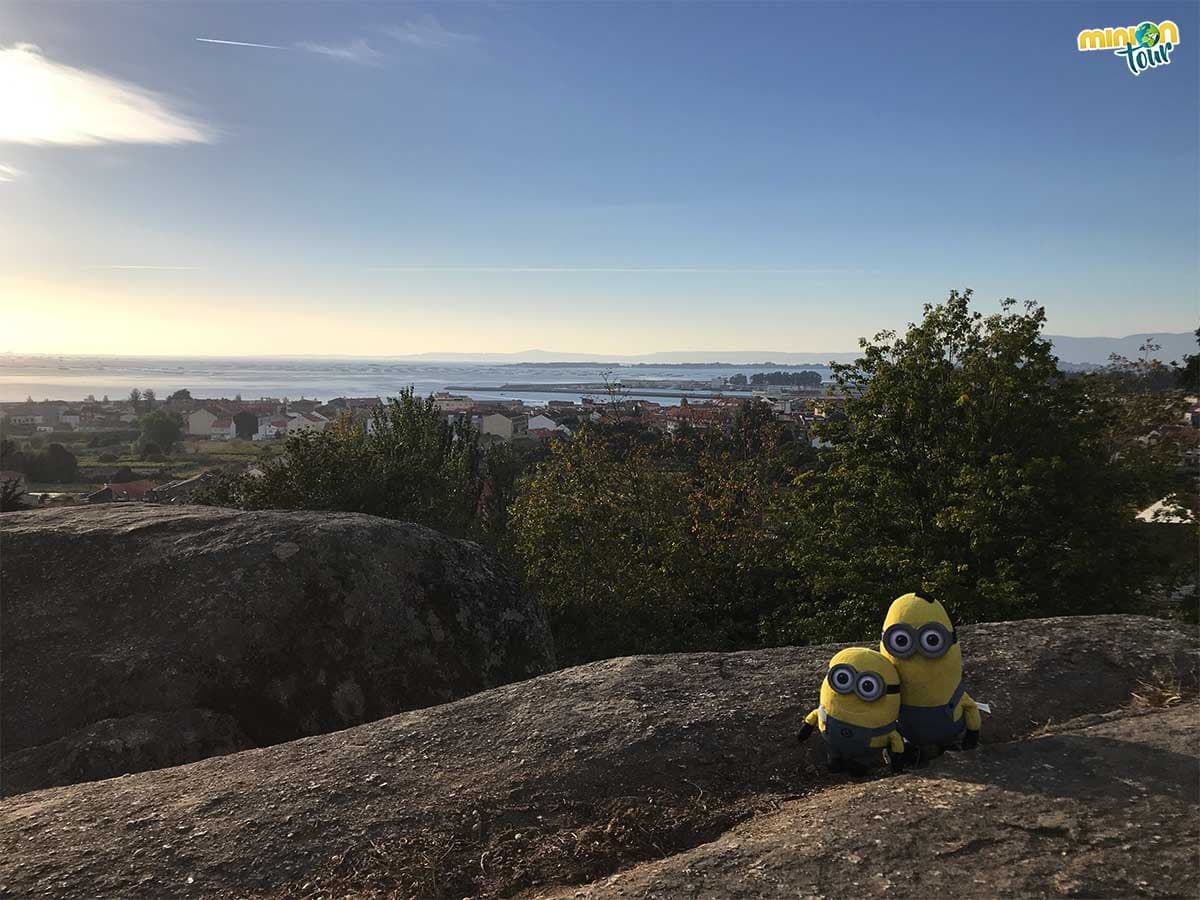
[
  {"x": 861, "y": 688},
  {"x": 922, "y": 643}
]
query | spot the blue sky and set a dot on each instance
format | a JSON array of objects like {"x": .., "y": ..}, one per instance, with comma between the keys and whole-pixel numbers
[{"x": 624, "y": 178}]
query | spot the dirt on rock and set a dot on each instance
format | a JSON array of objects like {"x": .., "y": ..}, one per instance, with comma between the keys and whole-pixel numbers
[
  {"x": 561, "y": 780},
  {"x": 1104, "y": 808}
]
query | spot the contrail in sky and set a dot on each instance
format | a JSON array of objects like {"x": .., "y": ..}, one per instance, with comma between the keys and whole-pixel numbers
[{"x": 242, "y": 44}]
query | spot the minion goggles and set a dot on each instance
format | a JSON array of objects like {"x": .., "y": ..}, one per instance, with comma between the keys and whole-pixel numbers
[
  {"x": 931, "y": 641},
  {"x": 869, "y": 686}
]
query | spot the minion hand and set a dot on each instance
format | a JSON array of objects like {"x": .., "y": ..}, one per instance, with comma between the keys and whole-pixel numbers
[
  {"x": 804, "y": 732},
  {"x": 970, "y": 740}
]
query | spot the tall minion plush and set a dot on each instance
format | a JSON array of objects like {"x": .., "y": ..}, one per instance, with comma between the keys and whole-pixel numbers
[
  {"x": 860, "y": 700},
  {"x": 935, "y": 711}
]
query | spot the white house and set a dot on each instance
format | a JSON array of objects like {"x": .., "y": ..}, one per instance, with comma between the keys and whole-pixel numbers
[
  {"x": 222, "y": 430},
  {"x": 271, "y": 427},
  {"x": 306, "y": 421}
]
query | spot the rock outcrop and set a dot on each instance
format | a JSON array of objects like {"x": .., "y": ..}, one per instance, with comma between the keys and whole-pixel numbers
[
  {"x": 563, "y": 780},
  {"x": 1091, "y": 809},
  {"x": 125, "y": 623}
]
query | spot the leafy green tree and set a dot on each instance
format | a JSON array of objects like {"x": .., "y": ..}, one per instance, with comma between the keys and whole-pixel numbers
[
  {"x": 638, "y": 542},
  {"x": 967, "y": 466},
  {"x": 409, "y": 463},
  {"x": 11, "y": 457},
  {"x": 162, "y": 428},
  {"x": 54, "y": 465},
  {"x": 800, "y": 379},
  {"x": 181, "y": 394}
]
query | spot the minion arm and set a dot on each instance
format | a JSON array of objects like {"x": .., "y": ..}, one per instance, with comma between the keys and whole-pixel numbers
[{"x": 971, "y": 713}]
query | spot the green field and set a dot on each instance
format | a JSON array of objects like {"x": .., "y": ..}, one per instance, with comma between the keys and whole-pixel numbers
[{"x": 191, "y": 458}]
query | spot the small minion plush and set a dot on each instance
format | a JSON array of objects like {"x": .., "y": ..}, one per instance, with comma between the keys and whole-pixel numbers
[
  {"x": 935, "y": 712},
  {"x": 860, "y": 700}
]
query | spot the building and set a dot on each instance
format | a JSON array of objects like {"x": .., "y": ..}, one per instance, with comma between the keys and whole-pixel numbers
[
  {"x": 504, "y": 424},
  {"x": 451, "y": 403},
  {"x": 222, "y": 429},
  {"x": 23, "y": 419},
  {"x": 200, "y": 420},
  {"x": 271, "y": 427},
  {"x": 306, "y": 421}
]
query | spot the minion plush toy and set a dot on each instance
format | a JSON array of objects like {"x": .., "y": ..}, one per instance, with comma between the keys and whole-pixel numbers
[
  {"x": 935, "y": 712},
  {"x": 860, "y": 699}
]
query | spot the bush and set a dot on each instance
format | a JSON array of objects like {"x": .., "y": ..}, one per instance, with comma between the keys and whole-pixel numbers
[
  {"x": 410, "y": 463},
  {"x": 162, "y": 430},
  {"x": 638, "y": 542},
  {"x": 54, "y": 465}
]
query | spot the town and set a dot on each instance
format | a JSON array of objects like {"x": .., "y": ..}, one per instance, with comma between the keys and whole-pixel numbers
[{"x": 104, "y": 450}]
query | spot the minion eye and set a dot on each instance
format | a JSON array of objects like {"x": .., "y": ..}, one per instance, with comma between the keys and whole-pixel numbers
[
  {"x": 869, "y": 686},
  {"x": 933, "y": 642},
  {"x": 841, "y": 679},
  {"x": 899, "y": 641}
]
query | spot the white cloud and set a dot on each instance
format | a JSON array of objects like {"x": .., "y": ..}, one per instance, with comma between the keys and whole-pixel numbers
[
  {"x": 358, "y": 51},
  {"x": 427, "y": 31},
  {"x": 45, "y": 102},
  {"x": 9, "y": 173}
]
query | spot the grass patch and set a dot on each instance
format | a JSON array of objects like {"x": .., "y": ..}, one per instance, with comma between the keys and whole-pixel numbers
[{"x": 1162, "y": 690}]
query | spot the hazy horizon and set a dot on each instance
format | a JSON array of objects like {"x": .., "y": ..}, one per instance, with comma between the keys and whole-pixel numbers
[{"x": 1075, "y": 350}]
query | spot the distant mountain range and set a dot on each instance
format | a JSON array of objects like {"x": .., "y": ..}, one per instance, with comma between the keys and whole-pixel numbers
[
  {"x": 1072, "y": 351},
  {"x": 1096, "y": 350}
]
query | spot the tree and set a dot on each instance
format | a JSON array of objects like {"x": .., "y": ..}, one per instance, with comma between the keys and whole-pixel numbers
[
  {"x": 1189, "y": 376},
  {"x": 408, "y": 463},
  {"x": 245, "y": 424},
  {"x": 11, "y": 492},
  {"x": 737, "y": 380},
  {"x": 55, "y": 465},
  {"x": 181, "y": 394},
  {"x": 162, "y": 428},
  {"x": 638, "y": 542},
  {"x": 800, "y": 379},
  {"x": 11, "y": 457},
  {"x": 149, "y": 397},
  {"x": 135, "y": 398},
  {"x": 968, "y": 467}
]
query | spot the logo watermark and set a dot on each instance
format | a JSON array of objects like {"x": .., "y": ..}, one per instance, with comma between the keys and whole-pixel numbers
[{"x": 1143, "y": 47}]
